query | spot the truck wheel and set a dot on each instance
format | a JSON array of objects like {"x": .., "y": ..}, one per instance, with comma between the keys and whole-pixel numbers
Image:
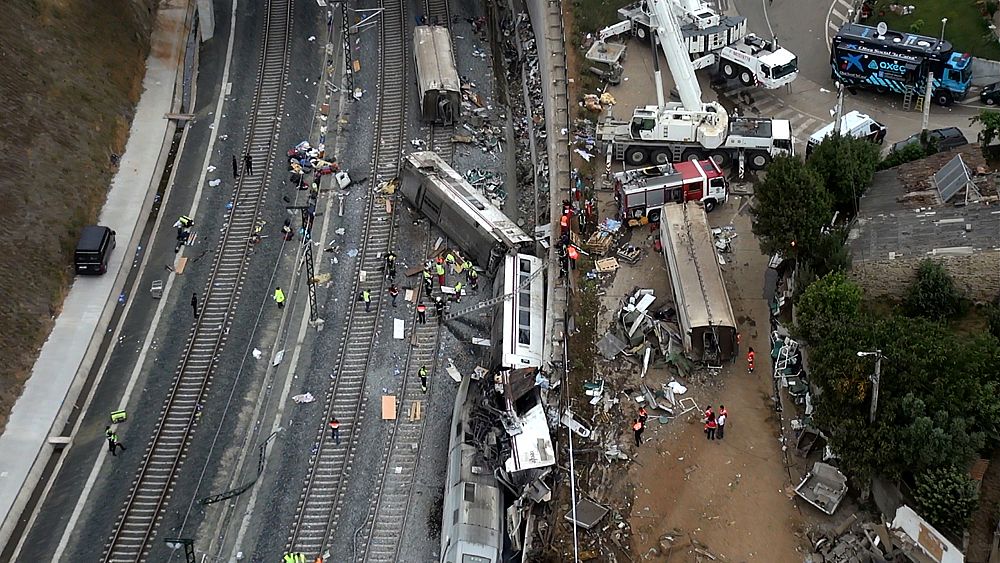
[
  {"x": 728, "y": 70},
  {"x": 653, "y": 215},
  {"x": 636, "y": 155},
  {"x": 709, "y": 205},
  {"x": 642, "y": 33},
  {"x": 759, "y": 160},
  {"x": 943, "y": 98},
  {"x": 746, "y": 77},
  {"x": 692, "y": 155},
  {"x": 661, "y": 156},
  {"x": 721, "y": 158}
]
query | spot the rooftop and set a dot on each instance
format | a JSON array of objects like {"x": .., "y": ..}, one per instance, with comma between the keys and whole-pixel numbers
[{"x": 902, "y": 215}]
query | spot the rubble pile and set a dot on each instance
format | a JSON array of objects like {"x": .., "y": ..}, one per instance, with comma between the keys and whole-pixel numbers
[
  {"x": 854, "y": 541},
  {"x": 488, "y": 182},
  {"x": 521, "y": 57}
]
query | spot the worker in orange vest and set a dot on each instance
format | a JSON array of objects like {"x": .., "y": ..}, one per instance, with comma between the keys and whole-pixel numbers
[
  {"x": 643, "y": 415},
  {"x": 564, "y": 224},
  {"x": 335, "y": 429},
  {"x": 573, "y": 255},
  {"x": 637, "y": 428},
  {"x": 750, "y": 356}
]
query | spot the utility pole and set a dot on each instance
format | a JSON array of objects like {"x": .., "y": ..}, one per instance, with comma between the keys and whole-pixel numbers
[
  {"x": 308, "y": 215},
  {"x": 875, "y": 379},
  {"x": 839, "y": 108}
]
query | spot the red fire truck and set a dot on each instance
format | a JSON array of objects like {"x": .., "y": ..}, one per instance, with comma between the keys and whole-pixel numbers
[{"x": 641, "y": 192}]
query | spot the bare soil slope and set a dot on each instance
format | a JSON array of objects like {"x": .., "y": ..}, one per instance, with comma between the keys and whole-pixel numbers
[{"x": 70, "y": 76}]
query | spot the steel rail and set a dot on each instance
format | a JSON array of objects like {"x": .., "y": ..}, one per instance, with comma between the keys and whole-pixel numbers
[{"x": 137, "y": 523}]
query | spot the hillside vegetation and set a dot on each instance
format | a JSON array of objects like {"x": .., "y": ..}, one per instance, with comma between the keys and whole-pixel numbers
[{"x": 70, "y": 75}]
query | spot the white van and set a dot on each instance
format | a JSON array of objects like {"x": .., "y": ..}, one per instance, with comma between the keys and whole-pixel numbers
[{"x": 854, "y": 124}]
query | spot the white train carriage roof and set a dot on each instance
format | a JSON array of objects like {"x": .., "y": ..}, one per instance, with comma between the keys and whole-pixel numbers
[
  {"x": 699, "y": 289},
  {"x": 466, "y": 199},
  {"x": 436, "y": 68}
]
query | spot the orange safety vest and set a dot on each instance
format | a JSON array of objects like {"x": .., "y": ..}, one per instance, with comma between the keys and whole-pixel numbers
[
  {"x": 572, "y": 252},
  {"x": 334, "y": 424},
  {"x": 564, "y": 222},
  {"x": 642, "y": 411},
  {"x": 637, "y": 426},
  {"x": 750, "y": 357}
]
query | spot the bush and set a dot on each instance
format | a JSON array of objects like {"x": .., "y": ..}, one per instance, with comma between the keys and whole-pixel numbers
[
  {"x": 916, "y": 26},
  {"x": 946, "y": 497},
  {"x": 909, "y": 153},
  {"x": 933, "y": 294}
]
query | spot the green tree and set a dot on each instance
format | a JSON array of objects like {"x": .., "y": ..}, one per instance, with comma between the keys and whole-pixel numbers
[
  {"x": 846, "y": 165},
  {"x": 938, "y": 400},
  {"x": 909, "y": 153},
  {"x": 946, "y": 497},
  {"x": 826, "y": 305},
  {"x": 990, "y": 120},
  {"x": 933, "y": 293},
  {"x": 790, "y": 208},
  {"x": 993, "y": 319}
]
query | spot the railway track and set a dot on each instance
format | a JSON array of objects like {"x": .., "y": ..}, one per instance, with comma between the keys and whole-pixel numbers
[
  {"x": 322, "y": 500},
  {"x": 136, "y": 526}
]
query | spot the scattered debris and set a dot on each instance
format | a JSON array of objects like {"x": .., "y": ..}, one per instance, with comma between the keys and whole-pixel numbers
[
  {"x": 823, "y": 487},
  {"x": 304, "y": 398}
]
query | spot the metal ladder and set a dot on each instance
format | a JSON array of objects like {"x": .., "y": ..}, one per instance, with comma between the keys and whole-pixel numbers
[
  {"x": 912, "y": 101},
  {"x": 495, "y": 300}
]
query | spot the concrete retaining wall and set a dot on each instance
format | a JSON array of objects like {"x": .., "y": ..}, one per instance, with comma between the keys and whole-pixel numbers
[
  {"x": 977, "y": 275},
  {"x": 985, "y": 71}
]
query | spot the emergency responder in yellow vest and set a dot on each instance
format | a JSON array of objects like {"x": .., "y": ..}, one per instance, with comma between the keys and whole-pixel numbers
[
  {"x": 366, "y": 296},
  {"x": 423, "y": 378},
  {"x": 297, "y": 557},
  {"x": 279, "y": 297}
]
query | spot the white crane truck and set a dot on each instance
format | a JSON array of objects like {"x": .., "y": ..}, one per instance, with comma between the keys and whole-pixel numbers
[
  {"x": 711, "y": 39},
  {"x": 690, "y": 129}
]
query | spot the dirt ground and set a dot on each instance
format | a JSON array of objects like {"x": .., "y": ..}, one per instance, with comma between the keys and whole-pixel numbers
[
  {"x": 730, "y": 496},
  {"x": 70, "y": 76}
]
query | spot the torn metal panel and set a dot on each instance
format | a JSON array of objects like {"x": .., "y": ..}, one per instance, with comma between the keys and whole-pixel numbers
[
  {"x": 823, "y": 487},
  {"x": 610, "y": 346},
  {"x": 930, "y": 541},
  {"x": 588, "y": 514},
  {"x": 532, "y": 448}
]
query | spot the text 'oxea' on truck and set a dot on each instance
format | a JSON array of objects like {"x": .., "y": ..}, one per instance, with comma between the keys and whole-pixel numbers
[{"x": 899, "y": 62}]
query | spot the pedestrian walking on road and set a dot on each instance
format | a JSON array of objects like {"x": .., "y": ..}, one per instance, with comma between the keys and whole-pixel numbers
[
  {"x": 422, "y": 313},
  {"x": 637, "y": 428},
  {"x": 236, "y": 168},
  {"x": 721, "y": 421},
  {"x": 247, "y": 165},
  {"x": 394, "y": 293},
  {"x": 440, "y": 273},
  {"x": 113, "y": 443},
  {"x": 194, "y": 304},
  {"x": 439, "y": 309},
  {"x": 335, "y": 430},
  {"x": 366, "y": 296},
  {"x": 423, "y": 378},
  {"x": 710, "y": 427},
  {"x": 279, "y": 297},
  {"x": 750, "y": 358}
]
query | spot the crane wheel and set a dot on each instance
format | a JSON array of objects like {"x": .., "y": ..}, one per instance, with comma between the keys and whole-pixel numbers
[
  {"x": 661, "y": 156},
  {"x": 759, "y": 160},
  {"x": 692, "y": 155},
  {"x": 721, "y": 158},
  {"x": 746, "y": 78},
  {"x": 728, "y": 70},
  {"x": 636, "y": 155}
]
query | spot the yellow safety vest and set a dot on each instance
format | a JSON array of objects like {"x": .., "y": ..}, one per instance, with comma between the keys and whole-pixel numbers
[{"x": 279, "y": 296}]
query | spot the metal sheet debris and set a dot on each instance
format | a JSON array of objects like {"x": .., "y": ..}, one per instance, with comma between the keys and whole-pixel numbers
[{"x": 588, "y": 514}]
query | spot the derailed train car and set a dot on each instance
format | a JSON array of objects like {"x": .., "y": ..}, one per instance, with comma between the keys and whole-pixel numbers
[
  {"x": 481, "y": 230},
  {"x": 438, "y": 85}
]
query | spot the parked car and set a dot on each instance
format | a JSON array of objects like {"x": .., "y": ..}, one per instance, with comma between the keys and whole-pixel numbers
[
  {"x": 990, "y": 95},
  {"x": 947, "y": 138},
  {"x": 853, "y": 124}
]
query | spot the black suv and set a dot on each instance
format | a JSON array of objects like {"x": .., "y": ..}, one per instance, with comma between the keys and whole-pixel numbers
[
  {"x": 945, "y": 139},
  {"x": 990, "y": 95}
]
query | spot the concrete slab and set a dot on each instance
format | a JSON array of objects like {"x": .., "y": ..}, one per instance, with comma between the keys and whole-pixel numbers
[{"x": 68, "y": 354}]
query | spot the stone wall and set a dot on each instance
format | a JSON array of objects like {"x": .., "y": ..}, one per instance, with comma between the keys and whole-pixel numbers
[{"x": 976, "y": 275}]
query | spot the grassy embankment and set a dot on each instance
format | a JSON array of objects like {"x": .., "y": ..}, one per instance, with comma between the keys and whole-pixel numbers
[{"x": 70, "y": 76}]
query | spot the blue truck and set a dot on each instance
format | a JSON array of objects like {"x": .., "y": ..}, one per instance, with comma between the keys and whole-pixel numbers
[{"x": 899, "y": 62}]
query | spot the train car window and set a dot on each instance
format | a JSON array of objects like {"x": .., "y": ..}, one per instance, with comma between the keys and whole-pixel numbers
[
  {"x": 470, "y": 492},
  {"x": 525, "y": 267}
]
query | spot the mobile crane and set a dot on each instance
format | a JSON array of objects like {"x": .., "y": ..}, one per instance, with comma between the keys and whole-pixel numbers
[
  {"x": 690, "y": 129},
  {"x": 713, "y": 39}
]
